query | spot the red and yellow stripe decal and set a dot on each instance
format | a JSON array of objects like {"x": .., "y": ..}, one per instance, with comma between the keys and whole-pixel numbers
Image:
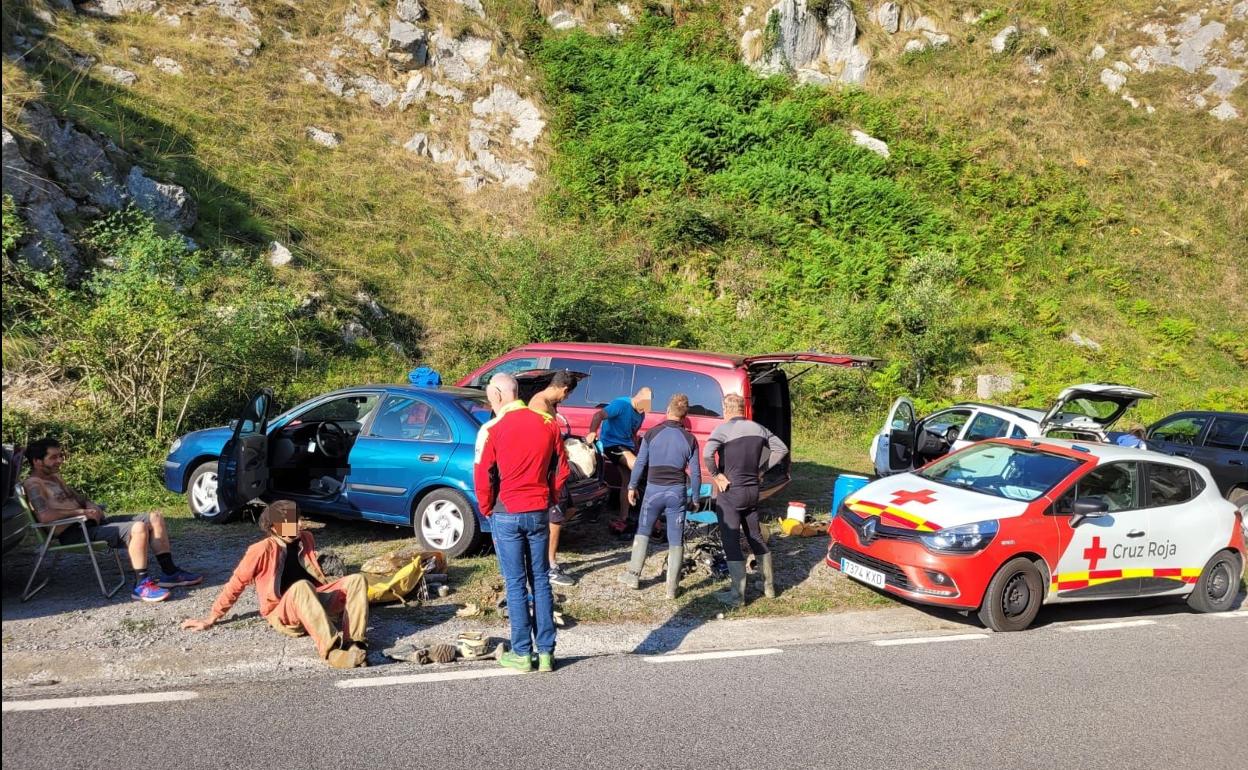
[
  {"x": 1072, "y": 581},
  {"x": 891, "y": 515}
]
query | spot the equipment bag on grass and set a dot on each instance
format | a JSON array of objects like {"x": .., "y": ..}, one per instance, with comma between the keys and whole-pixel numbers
[{"x": 396, "y": 586}]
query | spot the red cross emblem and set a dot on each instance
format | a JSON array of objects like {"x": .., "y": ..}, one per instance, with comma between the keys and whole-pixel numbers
[
  {"x": 924, "y": 496},
  {"x": 1094, "y": 554}
]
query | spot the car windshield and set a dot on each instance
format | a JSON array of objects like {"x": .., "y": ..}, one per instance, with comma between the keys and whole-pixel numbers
[
  {"x": 1002, "y": 470},
  {"x": 477, "y": 408}
]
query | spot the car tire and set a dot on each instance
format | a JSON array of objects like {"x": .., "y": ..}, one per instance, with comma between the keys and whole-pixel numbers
[
  {"x": 201, "y": 495},
  {"x": 444, "y": 521},
  {"x": 1218, "y": 585},
  {"x": 1013, "y": 597}
]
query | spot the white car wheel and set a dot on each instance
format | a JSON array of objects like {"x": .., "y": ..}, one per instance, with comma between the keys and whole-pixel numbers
[
  {"x": 442, "y": 524},
  {"x": 201, "y": 494}
]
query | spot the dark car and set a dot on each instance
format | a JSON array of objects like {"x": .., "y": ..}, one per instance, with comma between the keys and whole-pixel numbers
[
  {"x": 1216, "y": 440},
  {"x": 14, "y": 516}
]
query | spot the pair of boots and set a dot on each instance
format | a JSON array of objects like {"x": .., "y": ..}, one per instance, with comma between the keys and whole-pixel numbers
[
  {"x": 675, "y": 560},
  {"x": 735, "y": 595}
]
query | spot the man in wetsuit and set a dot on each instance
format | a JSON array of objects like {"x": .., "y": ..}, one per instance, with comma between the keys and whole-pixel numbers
[
  {"x": 738, "y": 453},
  {"x": 667, "y": 453}
]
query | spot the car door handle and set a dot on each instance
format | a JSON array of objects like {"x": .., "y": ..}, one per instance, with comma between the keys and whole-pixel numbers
[
  {"x": 1236, "y": 462},
  {"x": 1182, "y": 454},
  {"x": 1136, "y": 533},
  {"x": 428, "y": 458}
]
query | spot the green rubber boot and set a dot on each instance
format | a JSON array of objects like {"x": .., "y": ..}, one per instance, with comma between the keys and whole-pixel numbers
[
  {"x": 735, "y": 595},
  {"x": 769, "y": 575},
  {"x": 632, "y": 578},
  {"x": 675, "y": 560}
]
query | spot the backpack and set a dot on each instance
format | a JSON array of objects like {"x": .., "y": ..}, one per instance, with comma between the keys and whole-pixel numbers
[
  {"x": 425, "y": 377},
  {"x": 582, "y": 459}
]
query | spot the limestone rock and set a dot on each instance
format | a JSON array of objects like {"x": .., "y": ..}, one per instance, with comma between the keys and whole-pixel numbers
[
  {"x": 418, "y": 144},
  {"x": 117, "y": 8},
  {"x": 378, "y": 92},
  {"x": 473, "y": 6},
  {"x": 1225, "y": 111},
  {"x": 407, "y": 47},
  {"x": 324, "y": 138},
  {"x": 118, "y": 75},
  {"x": 562, "y": 20},
  {"x": 1097, "y": 53},
  {"x": 808, "y": 41},
  {"x": 1002, "y": 39},
  {"x": 446, "y": 92},
  {"x": 1112, "y": 80},
  {"x": 167, "y": 65},
  {"x": 81, "y": 164},
  {"x": 415, "y": 90},
  {"x": 876, "y": 146},
  {"x": 410, "y": 11},
  {"x": 1225, "y": 81},
  {"x": 40, "y": 202},
  {"x": 990, "y": 385},
  {"x": 888, "y": 17},
  {"x": 168, "y": 203},
  {"x": 359, "y": 26},
  {"x": 463, "y": 59},
  {"x": 916, "y": 46},
  {"x": 279, "y": 255},
  {"x": 503, "y": 102},
  {"x": 1084, "y": 342}
]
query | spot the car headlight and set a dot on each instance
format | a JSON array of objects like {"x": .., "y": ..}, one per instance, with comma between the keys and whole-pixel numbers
[
  {"x": 967, "y": 538},
  {"x": 177, "y": 442}
]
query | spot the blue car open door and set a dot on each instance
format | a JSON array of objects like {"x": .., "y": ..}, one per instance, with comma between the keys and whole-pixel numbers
[{"x": 243, "y": 470}]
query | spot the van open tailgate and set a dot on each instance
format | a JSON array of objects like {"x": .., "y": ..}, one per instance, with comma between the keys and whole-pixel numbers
[{"x": 827, "y": 359}]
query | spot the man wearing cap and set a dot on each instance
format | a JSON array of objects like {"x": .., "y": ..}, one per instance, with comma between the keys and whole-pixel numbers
[{"x": 294, "y": 594}]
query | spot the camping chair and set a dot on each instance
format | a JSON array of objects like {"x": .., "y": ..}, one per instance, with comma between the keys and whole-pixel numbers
[{"x": 43, "y": 533}]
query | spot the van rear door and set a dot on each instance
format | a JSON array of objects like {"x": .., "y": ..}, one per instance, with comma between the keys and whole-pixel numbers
[{"x": 770, "y": 404}]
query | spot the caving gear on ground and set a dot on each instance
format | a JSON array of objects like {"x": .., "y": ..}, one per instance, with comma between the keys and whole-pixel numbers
[
  {"x": 397, "y": 586},
  {"x": 767, "y": 567},
  {"x": 675, "y": 562},
  {"x": 471, "y": 645},
  {"x": 632, "y": 578},
  {"x": 516, "y": 660},
  {"x": 735, "y": 595}
]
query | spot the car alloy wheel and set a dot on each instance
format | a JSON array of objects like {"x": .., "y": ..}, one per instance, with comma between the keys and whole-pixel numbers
[
  {"x": 204, "y": 495},
  {"x": 442, "y": 524}
]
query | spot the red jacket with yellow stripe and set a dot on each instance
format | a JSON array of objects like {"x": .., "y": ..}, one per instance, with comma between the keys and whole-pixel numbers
[{"x": 522, "y": 463}]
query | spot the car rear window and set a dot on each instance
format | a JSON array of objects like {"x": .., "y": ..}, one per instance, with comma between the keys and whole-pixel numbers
[
  {"x": 705, "y": 396},
  {"x": 1002, "y": 471},
  {"x": 1227, "y": 433},
  {"x": 607, "y": 380},
  {"x": 1170, "y": 485},
  {"x": 477, "y": 408}
]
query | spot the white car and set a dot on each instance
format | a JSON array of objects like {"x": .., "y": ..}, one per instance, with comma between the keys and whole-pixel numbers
[{"x": 1081, "y": 412}]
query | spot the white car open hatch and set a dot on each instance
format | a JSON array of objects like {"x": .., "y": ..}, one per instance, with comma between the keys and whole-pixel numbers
[{"x": 1091, "y": 407}]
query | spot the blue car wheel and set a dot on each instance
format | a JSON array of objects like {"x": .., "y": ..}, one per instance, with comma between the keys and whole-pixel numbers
[
  {"x": 201, "y": 494},
  {"x": 445, "y": 521}
]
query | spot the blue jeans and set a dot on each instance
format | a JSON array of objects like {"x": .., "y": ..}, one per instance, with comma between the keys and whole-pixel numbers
[
  {"x": 520, "y": 541},
  {"x": 669, "y": 500}
]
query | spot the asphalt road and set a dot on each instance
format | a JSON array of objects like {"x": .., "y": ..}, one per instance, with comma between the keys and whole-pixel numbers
[{"x": 1171, "y": 692}]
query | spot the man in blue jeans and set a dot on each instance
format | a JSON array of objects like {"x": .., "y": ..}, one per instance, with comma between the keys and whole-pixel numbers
[
  {"x": 523, "y": 467},
  {"x": 668, "y": 452}
]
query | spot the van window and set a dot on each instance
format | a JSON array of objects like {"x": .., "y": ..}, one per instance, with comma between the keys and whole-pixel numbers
[
  {"x": 607, "y": 380},
  {"x": 705, "y": 396},
  {"x": 510, "y": 366},
  {"x": 1227, "y": 433}
]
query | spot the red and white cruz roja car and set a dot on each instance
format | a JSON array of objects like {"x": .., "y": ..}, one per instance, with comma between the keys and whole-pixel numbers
[{"x": 1004, "y": 526}]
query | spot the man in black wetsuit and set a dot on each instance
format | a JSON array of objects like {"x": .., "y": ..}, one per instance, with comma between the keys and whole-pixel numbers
[{"x": 738, "y": 453}]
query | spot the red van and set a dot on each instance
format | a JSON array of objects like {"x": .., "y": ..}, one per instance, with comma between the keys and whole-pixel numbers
[{"x": 619, "y": 370}]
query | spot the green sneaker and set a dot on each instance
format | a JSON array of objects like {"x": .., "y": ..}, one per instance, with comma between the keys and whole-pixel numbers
[
  {"x": 520, "y": 663},
  {"x": 545, "y": 662}
]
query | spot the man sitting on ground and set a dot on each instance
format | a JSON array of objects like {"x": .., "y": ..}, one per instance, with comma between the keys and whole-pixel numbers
[
  {"x": 619, "y": 421},
  {"x": 295, "y": 596},
  {"x": 52, "y": 499}
]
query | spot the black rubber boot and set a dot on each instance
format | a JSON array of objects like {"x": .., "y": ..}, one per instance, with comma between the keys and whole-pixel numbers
[
  {"x": 632, "y": 578},
  {"x": 675, "y": 560}
]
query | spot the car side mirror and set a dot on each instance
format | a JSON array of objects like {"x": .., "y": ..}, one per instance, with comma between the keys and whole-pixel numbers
[
  {"x": 234, "y": 424},
  {"x": 1088, "y": 508}
]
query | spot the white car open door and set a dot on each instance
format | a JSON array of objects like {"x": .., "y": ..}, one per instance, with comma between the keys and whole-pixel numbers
[
  {"x": 1090, "y": 409},
  {"x": 892, "y": 451}
]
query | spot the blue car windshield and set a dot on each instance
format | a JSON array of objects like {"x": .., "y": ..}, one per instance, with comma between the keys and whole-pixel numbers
[
  {"x": 1002, "y": 470},
  {"x": 477, "y": 408}
]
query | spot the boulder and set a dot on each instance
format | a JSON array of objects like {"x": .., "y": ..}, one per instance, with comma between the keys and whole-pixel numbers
[
  {"x": 418, "y": 144},
  {"x": 1113, "y": 81},
  {"x": 410, "y": 11},
  {"x": 407, "y": 46},
  {"x": 562, "y": 20},
  {"x": 918, "y": 45},
  {"x": 988, "y": 386},
  {"x": 805, "y": 40},
  {"x": 118, "y": 75},
  {"x": 324, "y": 138},
  {"x": 888, "y": 17},
  {"x": 117, "y": 8},
  {"x": 83, "y": 165},
  {"x": 464, "y": 59},
  {"x": 167, "y": 65},
  {"x": 504, "y": 103},
  {"x": 167, "y": 203},
  {"x": 1225, "y": 111},
  {"x": 1084, "y": 342},
  {"x": 1002, "y": 39},
  {"x": 876, "y": 146},
  {"x": 279, "y": 255},
  {"x": 40, "y": 202},
  {"x": 378, "y": 92},
  {"x": 1097, "y": 53},
  {"x": 472, "y": 6}
]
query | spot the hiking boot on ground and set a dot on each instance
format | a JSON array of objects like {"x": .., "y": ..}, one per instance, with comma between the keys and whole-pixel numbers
[{"x": 352, "y": 657}]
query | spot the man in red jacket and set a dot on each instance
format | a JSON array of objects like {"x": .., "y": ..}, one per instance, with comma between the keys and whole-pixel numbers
[
  {"x": 523, "y": 466},
  {"x": 295, "y": 596}
]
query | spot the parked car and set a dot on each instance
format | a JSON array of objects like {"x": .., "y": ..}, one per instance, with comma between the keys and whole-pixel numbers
[
  {"x": 620, "y": 370},
  {"x": 393, "y": 454},
  {"x": 1006, "y": 525},
  {"x": 1216, "y": 440},
  {"x": 14, "y": 516},
  {"x": 1082, "y": 412}
]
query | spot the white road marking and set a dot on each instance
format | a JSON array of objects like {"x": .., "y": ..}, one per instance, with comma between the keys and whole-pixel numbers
[
  {"x": 927, "y": 639},
  {"x": 1235, "y": 614},
  {"x": 440, "y": 676},
  {"x": 682, "y": 657},
  {"x": 1108, "y": 626},
  {"x": 99, "y": 700}
]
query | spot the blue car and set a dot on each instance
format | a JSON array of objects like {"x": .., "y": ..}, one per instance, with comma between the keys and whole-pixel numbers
[{"x": 393, "y": 454}]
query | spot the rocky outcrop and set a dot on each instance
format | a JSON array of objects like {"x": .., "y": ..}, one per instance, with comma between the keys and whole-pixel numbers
[
  {"x": 167, "y": 203},
  {"x": 816, "y": 47}
]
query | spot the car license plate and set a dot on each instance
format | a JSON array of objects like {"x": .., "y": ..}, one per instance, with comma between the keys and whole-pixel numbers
[{"x": 858, "y": 572}]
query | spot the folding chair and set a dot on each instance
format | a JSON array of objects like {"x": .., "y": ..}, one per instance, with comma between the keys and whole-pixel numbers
[{"x": 43, "y": 533}]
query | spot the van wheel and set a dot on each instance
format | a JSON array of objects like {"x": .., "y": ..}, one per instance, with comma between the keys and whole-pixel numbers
[
  {"x": 201, "y": 495},
  {"x": 1013, "y": 597},
  {"x": 444, "y": 521},
  {"x": 1218, "y": 585}
]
